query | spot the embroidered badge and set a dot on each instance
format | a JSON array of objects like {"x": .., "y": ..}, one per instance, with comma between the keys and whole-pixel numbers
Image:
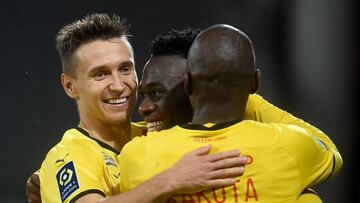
[
  {"x": 67, "y": 180},
  {"x": 108, "y": 160}
]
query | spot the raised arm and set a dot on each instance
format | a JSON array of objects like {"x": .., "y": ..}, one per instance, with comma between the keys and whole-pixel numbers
[{"x": 261, "y": 110}]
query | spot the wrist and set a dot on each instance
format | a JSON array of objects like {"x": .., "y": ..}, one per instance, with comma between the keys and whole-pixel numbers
[{"x": 166, "y": 185}]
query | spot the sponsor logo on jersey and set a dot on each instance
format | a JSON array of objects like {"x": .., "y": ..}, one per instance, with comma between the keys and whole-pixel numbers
[
  {"x": 61, "y": 160},
  {"x": 67, "y": 180},
  {"x": 108, "y": 160},
  {"x": 117, "y": 176}
]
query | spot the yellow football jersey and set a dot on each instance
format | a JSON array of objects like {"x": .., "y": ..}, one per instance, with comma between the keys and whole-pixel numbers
[
  {"x": 284, "y": 159},
  {"x": 258, "y": 109},
  {"x": 79, "y": 165}
]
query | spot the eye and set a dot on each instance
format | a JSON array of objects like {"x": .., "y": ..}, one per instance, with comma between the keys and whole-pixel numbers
[
  {"x": 126, "y": 70},
  {"x": 100, "y": 75},
  {"x": 155, "y": 94},
  {"x": 152, "y": 93}
]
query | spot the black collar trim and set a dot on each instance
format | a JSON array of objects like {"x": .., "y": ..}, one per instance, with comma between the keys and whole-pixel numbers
[
  {"x": 101, "y": 143},
  {"x": 218, "y": 126}
]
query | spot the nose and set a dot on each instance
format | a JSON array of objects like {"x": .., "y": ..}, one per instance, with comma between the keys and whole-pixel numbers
[
  {"x": 117, "y": 84},
  {"x": 146, "y": 107}
]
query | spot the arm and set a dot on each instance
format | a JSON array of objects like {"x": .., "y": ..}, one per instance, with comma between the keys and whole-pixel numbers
[
  {"x": 196, "y": 171},
  {"x": 261, "y": 110},
  {"x": 315, "y": 161}
]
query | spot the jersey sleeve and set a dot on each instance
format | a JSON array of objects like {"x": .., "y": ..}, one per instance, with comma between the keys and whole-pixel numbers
[
  {"x": 315, "y": 161},
  {"x": 261, "y": 110},
  {"x": 68, "y": 174}
]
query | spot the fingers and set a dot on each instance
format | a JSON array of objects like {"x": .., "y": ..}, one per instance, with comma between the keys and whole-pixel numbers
[
  {"x": 35, "y": 178},
  {"x": 223, "y": 177},
  {"x": 201, "y": 151},
  {"x": 219, "y": 183},
  {"x": 223, "y": 155},
  {"x": 33, "y": 198},
  {"x": 227, "y": 173},
  {"x": 230, "y": 162},
  {"x": 32, "y": 187}
]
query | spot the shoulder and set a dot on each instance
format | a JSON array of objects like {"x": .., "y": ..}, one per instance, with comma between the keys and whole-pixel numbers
[
  {"x": 257, "y": 106},
  {"x": 255, "y": 100},
  {"x": 140, "y": 143},
  {"x": 299, "y": 142},
  {"x": 74, "y": 146}
]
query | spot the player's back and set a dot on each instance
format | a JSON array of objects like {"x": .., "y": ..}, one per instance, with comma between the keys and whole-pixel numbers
[{"x": 280, "y": 165}]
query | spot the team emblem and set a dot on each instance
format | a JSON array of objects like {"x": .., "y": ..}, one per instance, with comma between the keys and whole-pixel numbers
[
  {"x": 108, "y": 160},
  {"x": 67, "y": 180}
]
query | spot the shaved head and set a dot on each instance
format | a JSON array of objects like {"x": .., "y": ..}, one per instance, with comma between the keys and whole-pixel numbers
[
  {"x": 222, "y": 54},
  {"x": 222, "y": 74}
]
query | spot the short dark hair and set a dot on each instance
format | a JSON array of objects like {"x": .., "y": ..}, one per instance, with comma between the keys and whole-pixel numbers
[
  {"x": 90, "y": 28},
  {"x": 175, "y": 42}
]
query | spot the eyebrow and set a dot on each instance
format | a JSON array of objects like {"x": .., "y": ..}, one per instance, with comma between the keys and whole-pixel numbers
[
  {"x": 151, "y": 85},
  {"x": 98, "y": 68}
]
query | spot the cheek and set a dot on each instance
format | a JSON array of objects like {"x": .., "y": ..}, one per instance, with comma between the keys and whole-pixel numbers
[
  {"x": 166, "y": 107},
  {"x": 133, "y": 82},
  {"x": 133, "y": 85},
  {"x": 87, "y": 90}
]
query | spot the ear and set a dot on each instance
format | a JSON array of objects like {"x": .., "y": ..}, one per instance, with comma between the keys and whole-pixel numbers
[
  {"x": 68, "y": 85},
  {"x": 188, "y": 84},
  {"x": 256, "y": 84}
]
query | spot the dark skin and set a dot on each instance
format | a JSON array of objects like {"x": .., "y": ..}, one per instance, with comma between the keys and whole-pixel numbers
[
  {"x": 33, "y": 188},
  {"x": 164, "y": 103},
  {"x": 222, "y": 65},
  {"x": 162, "y": 91},
  {"x": 223, "y": 69}
]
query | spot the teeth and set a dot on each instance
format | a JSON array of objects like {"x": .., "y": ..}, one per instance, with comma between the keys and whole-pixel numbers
[
  {"x": 117, "y": 101},
  {"x": 153, "y": 126}
]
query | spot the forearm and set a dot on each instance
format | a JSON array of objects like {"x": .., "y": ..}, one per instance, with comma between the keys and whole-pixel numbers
[{"x": 155, "y": 190}]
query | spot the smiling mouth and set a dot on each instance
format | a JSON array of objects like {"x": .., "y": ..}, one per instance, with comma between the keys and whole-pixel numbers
[
  {"x": 154, "y": 125},
  {"x": 116, "y": 101}
]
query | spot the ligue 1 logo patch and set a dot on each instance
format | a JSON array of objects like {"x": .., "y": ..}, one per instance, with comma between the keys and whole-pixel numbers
[{"x": 67, "y": 180}]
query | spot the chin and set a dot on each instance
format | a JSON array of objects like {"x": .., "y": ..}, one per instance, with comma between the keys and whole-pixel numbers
[{"x": 118, "y": 120}]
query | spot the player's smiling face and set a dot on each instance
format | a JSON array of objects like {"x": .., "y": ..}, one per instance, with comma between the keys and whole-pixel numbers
[
  {"x": 164, "y": 103},
  {"x": 106, "y": 81}
]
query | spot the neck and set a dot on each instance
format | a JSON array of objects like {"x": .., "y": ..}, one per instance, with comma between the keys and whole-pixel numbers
[
  {"x": 218, "y": 111},
  {"x": 207, "y": 114},
  {"x": 115, "y": 136}
]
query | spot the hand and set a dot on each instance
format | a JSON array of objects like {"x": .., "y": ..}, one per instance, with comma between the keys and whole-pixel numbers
[
  {"x": 198, "y": 170},
  {"x": 33, "y": 188}
]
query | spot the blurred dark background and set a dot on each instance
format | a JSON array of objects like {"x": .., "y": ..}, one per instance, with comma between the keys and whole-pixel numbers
[{"x": 307, "y": 50}]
